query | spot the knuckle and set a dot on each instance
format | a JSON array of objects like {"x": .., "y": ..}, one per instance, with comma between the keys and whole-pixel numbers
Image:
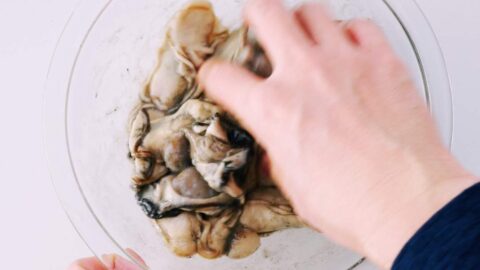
[
  {"x": 322, "y": 66},
  {"x": 296, "y": 57}
]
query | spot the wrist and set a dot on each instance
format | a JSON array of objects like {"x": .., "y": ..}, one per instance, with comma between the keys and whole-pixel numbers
[
  {"x": 416, "y": 185},
  {"x": 399, "y": 224}
]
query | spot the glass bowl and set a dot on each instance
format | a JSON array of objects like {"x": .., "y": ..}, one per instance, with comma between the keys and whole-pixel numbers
[{"x": 103, "y": 58}]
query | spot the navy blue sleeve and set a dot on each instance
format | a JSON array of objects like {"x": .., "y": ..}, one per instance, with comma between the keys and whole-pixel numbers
[{"x": 449, "y": 240}]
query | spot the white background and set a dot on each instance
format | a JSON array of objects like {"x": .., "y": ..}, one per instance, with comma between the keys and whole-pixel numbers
[{"x": 34, "y": 231}]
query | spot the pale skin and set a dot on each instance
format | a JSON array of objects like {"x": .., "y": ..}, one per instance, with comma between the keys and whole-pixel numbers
[{"x": 350, "y": 142}]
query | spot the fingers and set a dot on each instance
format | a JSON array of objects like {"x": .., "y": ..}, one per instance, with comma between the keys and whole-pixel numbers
[
  {"x": 112, "y": 262},
  {"x": 320, "y": 27},
  {"x": 136, "y": 257},
  {"x": 318, "y": 23},
  {"x": 232, "y": 86},
  {"x": 115, "y": 262},
  {"x": 87, "y": 264},
  {"x": 276, "y": 28},
  {"x": 366, "y": 34}
]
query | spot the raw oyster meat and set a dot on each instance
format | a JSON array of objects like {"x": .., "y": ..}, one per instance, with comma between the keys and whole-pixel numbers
[{"x": 196, "y": 172}]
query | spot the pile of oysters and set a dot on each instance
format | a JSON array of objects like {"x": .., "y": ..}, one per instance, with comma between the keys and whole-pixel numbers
[{"x": 196, "y": 171}]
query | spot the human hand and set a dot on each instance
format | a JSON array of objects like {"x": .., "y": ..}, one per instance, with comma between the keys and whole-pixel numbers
[
  {"x": 350, "y": 141},
  {"x": 109, "y": 262}
]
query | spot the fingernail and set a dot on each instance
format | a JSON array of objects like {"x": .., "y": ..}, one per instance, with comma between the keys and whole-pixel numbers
[
  {"x": 109, "y": 260},
  {"x": 136, "y": 256}
]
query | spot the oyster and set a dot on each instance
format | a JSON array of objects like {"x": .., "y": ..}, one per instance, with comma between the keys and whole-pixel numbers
[
  {"x": 266, "y": 211},
  {"x": 191, "y": 37},
  {"x": 196, "y": 172}
]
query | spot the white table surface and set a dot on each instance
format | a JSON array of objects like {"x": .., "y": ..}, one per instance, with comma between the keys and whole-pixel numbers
[{"x": 34, "y": 231}]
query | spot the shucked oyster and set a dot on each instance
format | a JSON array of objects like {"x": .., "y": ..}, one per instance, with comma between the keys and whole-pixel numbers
[
  {"x": 192, "y": 36},
  {"x": 195, "y": 169}
]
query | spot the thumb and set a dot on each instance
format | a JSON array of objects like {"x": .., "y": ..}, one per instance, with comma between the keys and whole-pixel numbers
[
  {"x": 233, "y": 87},
  {"x": 87, "y": 264}
]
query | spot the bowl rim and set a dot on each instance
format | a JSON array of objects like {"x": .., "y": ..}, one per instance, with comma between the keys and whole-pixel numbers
[{"x": 61, "y": 70}]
